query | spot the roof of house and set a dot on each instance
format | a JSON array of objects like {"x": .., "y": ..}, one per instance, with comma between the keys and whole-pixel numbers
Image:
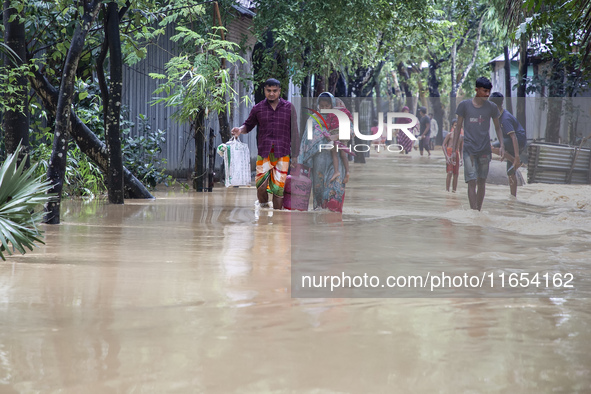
[
  {"x": 246, "y": 3},
  {"x": 513, "y": 53},
  {"x": 536, "y": 50},
  {"x": 245, "y": 7}
]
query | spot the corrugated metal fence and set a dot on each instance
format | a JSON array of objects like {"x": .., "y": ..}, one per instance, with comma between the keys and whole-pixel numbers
[
  {"x": 555, "y": 163},
  {"x": 179, "y": 149}
]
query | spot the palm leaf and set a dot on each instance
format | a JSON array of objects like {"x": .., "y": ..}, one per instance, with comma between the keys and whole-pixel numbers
[
  {"x": 21, "y": 198},
  {"x": 584, "y": 7}
]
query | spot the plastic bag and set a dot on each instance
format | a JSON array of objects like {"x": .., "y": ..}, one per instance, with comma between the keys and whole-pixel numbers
[{"x": 236, "y": 157}]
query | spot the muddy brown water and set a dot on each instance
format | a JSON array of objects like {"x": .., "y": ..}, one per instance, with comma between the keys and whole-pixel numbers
[{"x": 191, "y": 293}]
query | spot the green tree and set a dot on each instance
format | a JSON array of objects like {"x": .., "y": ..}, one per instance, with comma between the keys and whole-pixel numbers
[
  {"x": 554, "y": 31},
  {"x": 195, "y": 84},
  {"x": 111, "y": 96},
  {"x": 352, "y": 38},
  {"x": 62, "y": 52},
  {"x": 57, "y": 165},
  {"x": 15, "y": 120}
]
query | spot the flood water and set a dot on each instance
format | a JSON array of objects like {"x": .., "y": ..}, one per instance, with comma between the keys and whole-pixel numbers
[{"x": 192, "y": 293}]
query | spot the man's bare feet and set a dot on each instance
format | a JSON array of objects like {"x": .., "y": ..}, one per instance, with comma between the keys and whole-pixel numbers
[
  {"x": 346, "y": 178},
  {"x": 335, "y": 176}
]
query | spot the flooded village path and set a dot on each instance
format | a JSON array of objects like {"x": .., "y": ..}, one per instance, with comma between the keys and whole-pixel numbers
[{"x": 191, "y": 293}]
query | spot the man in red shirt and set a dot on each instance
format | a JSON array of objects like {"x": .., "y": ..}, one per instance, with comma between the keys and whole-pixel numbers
[{"x": 276, "y": 135}]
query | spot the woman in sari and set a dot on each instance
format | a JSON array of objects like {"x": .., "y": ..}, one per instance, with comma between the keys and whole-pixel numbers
[
  {"x": 327, "y": 193},
  {"x": 402, "y": 139}
]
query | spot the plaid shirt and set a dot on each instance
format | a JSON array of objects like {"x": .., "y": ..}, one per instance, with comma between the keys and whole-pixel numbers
[{"x": 277, "y": 128}]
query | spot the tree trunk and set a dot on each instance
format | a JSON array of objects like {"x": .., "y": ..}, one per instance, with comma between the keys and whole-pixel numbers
[
  {"x": 57, "y": 163},
  {"x": 508, "y": 90},
  {"x": 435, "y": 99},
  {"x": 361, "y": 77},
  {"x": 422, "y": 98},
  {"x": 555, "y": 94},
  {"x": 112, "y": 121},
  {"x": 319, "y": 84},
  {"x": 199, "y": 150},
  {"x": 100, "y": 69},
  {"x": 522, "y": 81},
  {"x": 403, "y": 72},
  {"x": 377, "y": 89},
  {"x": 86, "y": 140},
  {"x": 222, "y": 115},
  {"x": 16, "y": 121},
  {"x": 224, "y": 126},
  {"x": 396, "y": 102},
  {"x": 366, "y": 79},
  {"x": 306, "y": 86},
  {"x": 455, "y": 83},
  {"x": 453, "y": 93},
  {"x": 373, "y": 83},
  {"x": 341, "y": 85},
  {"x": 571, "y": 114},
  {"x": 333, "y": 79}
]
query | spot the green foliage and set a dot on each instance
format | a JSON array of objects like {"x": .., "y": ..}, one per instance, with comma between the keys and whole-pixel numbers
[
  {"x": 142, "y": 153},
  {"x": 83, "y": 177},
  {"x": 14, "y": 97},
  {"x": 21, "y": 196},
  {"x": 49, "y": 28},
  {"x": 318, "y": 36},
  {"x": 51, "y": 25},
  {"x": 556, "y": 32},
  {"x": 195, "y": 79}
]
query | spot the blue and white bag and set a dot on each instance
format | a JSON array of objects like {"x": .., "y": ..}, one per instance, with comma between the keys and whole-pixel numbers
[{"x": 236, "y": 157}]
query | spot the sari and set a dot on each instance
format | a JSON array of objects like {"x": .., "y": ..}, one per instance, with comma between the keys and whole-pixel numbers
[
  {"x": 325, "y": 194},
  {"x": 402, "y": 139}
]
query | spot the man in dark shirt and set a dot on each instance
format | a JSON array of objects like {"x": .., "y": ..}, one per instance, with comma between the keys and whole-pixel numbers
[
  {"x": 474, "y": 116},
  {"x": 277, "y": 134},
  {"x": 425, "y": 131},
  {"x": 514, "y": 139}
]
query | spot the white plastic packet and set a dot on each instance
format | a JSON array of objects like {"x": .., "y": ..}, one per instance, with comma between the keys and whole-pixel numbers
[{"x": 236, "y": 162}]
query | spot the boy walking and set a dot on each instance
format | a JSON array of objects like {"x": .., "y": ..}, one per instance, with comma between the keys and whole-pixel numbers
[
  {"x": 474, "y": 117},
  {"x": 514, "y": 139}
]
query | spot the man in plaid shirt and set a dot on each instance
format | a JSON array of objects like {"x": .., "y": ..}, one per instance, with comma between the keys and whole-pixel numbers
[{"x": 277, "y": 138}]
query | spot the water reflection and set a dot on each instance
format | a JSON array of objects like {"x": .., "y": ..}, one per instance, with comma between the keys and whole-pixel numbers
[{"x": 191, "y": 293}]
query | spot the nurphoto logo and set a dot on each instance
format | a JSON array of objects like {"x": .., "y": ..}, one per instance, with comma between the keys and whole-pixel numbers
[{"x": 345, "y": 129}]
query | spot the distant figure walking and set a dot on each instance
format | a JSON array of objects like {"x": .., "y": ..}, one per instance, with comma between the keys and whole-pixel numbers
[
  {"x": 425, "y": 131},
  {"x": 434, "y": 131},
  {"x": 474, "y": 116},
  {"x": 453, "y": 159}
]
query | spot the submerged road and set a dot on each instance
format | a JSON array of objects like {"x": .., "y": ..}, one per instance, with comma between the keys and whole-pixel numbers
[{"x": 192, "y": 293}]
